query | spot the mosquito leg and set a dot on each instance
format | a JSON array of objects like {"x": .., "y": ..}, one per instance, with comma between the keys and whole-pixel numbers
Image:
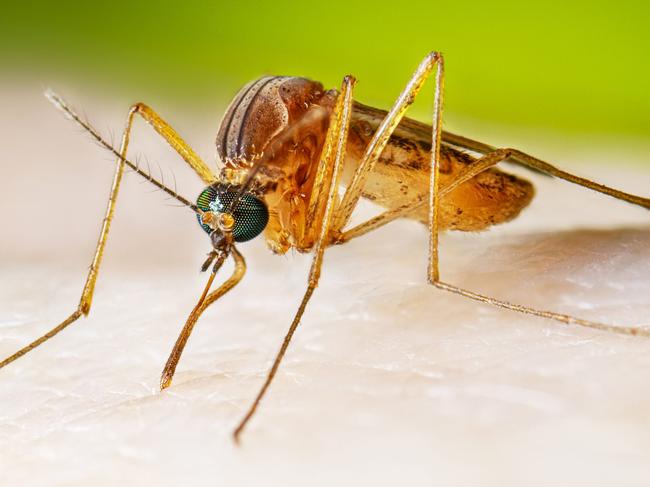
[
  {"x": 318, "y": 197},
  {"x": 463, "y": 143},
  {"x": 434, "y": 271},
  {"x": 334, "y": 148},
  {"x": 482, "y": 164},
  {"x": 380, "y": 138},
  {"x": 522, "y": 159},
  {"x": 87, "y": 294},
  {"x": 491, "y": 158},
  {"x": 204, "y": 301},
  {"x": 537, "y": 164},
  {"x": 175, "y": 141}
]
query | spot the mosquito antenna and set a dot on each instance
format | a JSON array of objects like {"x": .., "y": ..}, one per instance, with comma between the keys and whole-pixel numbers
[{"x": 59, "y": 103}]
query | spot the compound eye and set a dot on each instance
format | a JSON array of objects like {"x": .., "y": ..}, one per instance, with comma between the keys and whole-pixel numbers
[{"x": 251, "y": 214}]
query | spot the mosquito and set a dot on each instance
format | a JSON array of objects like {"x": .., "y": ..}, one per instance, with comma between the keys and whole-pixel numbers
[{"x": 297, "y": 158}]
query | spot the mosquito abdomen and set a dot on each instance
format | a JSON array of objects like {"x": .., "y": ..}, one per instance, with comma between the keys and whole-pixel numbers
[{"x": 402, "y": 174}]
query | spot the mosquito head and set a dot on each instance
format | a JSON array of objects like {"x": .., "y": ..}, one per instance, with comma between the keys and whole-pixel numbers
[{"x": 227, "y": 212}]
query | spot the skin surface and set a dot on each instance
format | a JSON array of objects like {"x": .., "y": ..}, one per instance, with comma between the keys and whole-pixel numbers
[{"x": 387, "y": 383}]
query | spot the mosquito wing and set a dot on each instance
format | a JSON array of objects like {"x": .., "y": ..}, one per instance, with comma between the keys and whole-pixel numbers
[{"x": 422, "y": 131}]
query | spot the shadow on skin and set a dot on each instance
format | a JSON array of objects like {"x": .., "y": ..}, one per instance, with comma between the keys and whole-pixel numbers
[{"x": 576, "y": 271}]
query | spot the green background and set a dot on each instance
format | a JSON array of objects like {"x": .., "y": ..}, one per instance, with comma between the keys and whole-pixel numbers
[{"x": 574, "y": 67}]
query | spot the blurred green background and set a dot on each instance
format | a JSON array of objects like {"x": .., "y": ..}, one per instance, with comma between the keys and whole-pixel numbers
[{"x": 575, "y": 67}]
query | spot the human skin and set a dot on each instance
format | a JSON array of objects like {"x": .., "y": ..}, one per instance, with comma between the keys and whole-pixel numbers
[{"x": 388, "y": 380}]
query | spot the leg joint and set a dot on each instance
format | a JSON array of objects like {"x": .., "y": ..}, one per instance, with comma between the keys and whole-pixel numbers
[
  {"x": 433, "y": 57},
  {"x": 138, "y": 107}
]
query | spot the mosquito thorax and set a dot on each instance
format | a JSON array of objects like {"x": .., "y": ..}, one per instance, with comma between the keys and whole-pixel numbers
[
  {"x": 260, "y": 111},
  {"x": 245, "y": 221}
]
